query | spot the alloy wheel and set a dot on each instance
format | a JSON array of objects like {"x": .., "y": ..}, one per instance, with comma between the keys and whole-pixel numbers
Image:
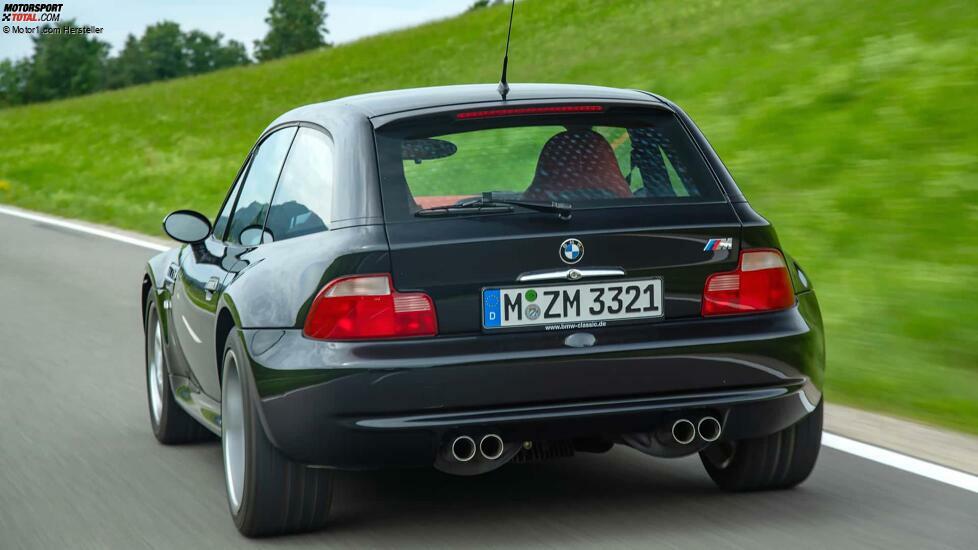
[
  {"x": 154, "y": 356},
  {"x": 232, "y": 431}
]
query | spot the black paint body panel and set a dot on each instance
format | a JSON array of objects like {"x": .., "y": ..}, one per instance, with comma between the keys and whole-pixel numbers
[
  {"x": 453, "y": 259},
  {"x": 415, "y": 395},
  {"x": 394, "y": 403}
]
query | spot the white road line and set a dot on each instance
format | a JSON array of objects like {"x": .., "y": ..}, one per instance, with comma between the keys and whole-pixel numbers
[
  {"x": 894, "y": 459},
  {"x": 903, "y": 462},
  {"x": 83, "y": 229}
]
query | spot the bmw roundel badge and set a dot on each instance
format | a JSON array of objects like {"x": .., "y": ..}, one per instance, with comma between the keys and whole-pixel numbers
[{"x": 571, "y": 251}]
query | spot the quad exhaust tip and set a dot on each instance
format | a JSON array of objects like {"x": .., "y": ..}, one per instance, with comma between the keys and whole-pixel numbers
[
  {"x": 491, "y": 446},
  {"x": 683, "y": 431},
  {"x": 463, "y": 448},
  {"x": 709, "y": 428}
]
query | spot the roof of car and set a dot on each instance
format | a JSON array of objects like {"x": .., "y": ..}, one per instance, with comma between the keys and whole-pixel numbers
[{"x": 384, "y": 103}]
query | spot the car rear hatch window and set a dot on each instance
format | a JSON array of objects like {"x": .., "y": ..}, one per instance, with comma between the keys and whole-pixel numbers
[
  {"x": 623, "y": 157},
  {"x": 478, "y": 200}
]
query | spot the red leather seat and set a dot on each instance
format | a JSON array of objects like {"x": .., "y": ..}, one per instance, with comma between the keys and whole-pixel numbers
[{"x": 577, "y": 164}]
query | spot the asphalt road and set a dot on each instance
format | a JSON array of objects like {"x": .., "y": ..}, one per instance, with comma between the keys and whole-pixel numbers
[{"x": 79, "y": 467}]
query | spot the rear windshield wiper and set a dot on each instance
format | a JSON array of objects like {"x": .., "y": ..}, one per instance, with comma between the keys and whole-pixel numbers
[
  {"x": 463, "y": 210},
  {"x": 488, "y": 203}
]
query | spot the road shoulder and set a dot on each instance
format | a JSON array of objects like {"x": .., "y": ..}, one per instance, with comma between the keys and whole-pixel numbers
[{"x": 944, "y": 447}]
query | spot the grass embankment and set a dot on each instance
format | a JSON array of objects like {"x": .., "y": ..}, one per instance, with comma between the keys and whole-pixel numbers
[{"x": 851, "y": 125}]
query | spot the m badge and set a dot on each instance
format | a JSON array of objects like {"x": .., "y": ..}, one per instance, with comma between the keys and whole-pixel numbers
[{"x": 713, "y": 245}]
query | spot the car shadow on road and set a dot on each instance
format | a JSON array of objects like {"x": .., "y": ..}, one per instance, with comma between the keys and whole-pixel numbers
[{"x": 618, "y": 496}]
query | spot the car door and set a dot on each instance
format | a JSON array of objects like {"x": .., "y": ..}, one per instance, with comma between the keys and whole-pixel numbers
[
  {"x": 205, "y": 267},
  {"x": 294, "y": 252}
]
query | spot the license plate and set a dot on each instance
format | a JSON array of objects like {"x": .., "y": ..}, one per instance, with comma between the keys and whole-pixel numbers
[{"x": 577, "y": 306}]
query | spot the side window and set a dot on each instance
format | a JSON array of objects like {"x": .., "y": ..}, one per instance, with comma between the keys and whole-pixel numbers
[
  {"x": 304, "y": 194},
  {"x": 221, "y": 223},
  {"x": 256, "y": 192}
]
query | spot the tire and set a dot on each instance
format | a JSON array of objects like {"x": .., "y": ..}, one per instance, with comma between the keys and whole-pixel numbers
[
  {"x": 267, "y": 493},
  {"x": 171, "y": 424},
  {"x": 778, "y": 461}
]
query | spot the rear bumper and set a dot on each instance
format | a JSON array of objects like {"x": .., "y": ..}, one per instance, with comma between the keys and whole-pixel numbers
[{"x": 382, "y": 404}]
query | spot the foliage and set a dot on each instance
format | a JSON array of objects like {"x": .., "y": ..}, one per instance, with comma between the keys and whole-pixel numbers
[
  {"x": 206, "y": 53},
  {"x": 66, "y": 65},
  {"x": 295, "y": 26},
  {"x": 129, "y": 67},
  {"x": 850, "y": 125},
  {"x": 13, "y": 81},
  {"x": 479, "y": 4},
  {"x": 165, "y": 51}
]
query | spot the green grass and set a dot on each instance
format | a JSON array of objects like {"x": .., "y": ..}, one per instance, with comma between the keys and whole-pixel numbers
[{"x": 851, "y": 125}]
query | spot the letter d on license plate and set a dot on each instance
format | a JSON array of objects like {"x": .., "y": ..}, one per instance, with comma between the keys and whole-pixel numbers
[{"x": 548, "y": 305}]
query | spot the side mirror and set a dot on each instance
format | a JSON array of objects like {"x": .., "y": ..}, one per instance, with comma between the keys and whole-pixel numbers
[
  {"x": 187, "y": 226},
  {"x": 254, "y": 235}
]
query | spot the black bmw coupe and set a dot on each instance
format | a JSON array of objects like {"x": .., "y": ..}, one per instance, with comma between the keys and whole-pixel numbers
[{"x": 453, "y": 278}]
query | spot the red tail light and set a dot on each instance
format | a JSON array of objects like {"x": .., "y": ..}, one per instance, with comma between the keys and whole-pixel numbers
[
  {"x": 368, "y": 307},
  {"x": 760, "y": 283}
]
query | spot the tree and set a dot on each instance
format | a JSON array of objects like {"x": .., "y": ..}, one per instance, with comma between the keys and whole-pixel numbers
[
  {"x": 294, "y": 26},
  {"x": 13, "y": 81},
  {"x": 201, "y": 48},
  {"x": 207, "y": 53},
  {"x": 163, "y": 50},
  {"x": 129, "y": 67},
  {"x": 65, "y": 65},
  {"x": 231, "y": 54}
]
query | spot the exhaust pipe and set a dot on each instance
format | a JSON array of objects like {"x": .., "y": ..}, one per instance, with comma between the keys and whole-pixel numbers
[
  {"x": 709, "y": 428},
  {"x": 683, "y": 431},
  {"x": 463, "y": 448},
  {"x": 491, "y": 446}
]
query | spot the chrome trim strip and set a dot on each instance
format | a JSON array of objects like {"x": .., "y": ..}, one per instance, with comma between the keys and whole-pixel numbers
[{"x": 570, "y": 274}]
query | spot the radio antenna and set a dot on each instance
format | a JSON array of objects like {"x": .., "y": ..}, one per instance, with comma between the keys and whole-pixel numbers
[{"x": 503, "y": 88}]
